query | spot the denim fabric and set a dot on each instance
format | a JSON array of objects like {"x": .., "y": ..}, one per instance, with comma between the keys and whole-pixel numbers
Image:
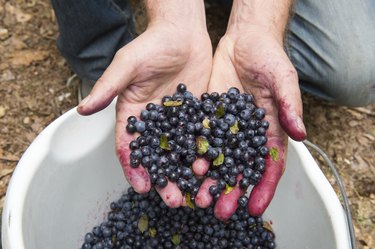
[
  {"x": 91, "y": 31},
  {"x": 331, "y": 43}
]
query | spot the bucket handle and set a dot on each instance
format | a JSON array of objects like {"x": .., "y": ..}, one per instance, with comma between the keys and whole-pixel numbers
[{"x": 333, "y": 168}]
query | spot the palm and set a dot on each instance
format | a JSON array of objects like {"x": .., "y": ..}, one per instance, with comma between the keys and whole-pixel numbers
[
  {"x": 144, "y": 71},
  {"x": 258, "y": 65}
]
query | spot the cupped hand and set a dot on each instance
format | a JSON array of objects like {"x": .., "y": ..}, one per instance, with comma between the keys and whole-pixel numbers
[
  {"x": 144, "y": 71},
  {"x": 256, "y": 63}
]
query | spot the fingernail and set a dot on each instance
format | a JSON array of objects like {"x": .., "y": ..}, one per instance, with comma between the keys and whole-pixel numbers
[
  {"x": 85, "y": 101},
  {"x": 300, "y": 125}
]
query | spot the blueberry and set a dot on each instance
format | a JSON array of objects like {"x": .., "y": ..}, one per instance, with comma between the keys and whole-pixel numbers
[
  {"x": 187, "y": 173},
  {"x": 145, "y": 115},
  {"x": 182, "y": 184},
  {"x": 214, "y": 96},
  {"x": 232, "y": 181},
  {"x": 247, "y": 172},
  {"x": 153, "y": 178},
  {"x": 259, "y": 160},
  {"x": 237, "y": 153},
  {"x": 86, "y": 246},
  {"x": 154, "y": 142},
  {"x": 227, "y": 153},
  {"x": 135, "y": 162},
  {"x": 140, "y": 126},
  {"x": 198, "y": 127},
  {"x": 165, "y": 126},
  {"x": 131, "y": 128},
  {"x": 261, "y": 131},
  {"x": 181, "y": 88},
  {"x": 240, "y": 167},
  {"x": 215, "y": 175},
  {"x": 190, "y": 158},
  {"x": 153, "y": 115},
  {"x": 255, "y": 178},
  {"x": 230, "y": 119},
  {"x": 136, "y": 154},
  {"x": 217, "y": 142},
  {"x": 245, "y": 114},
  {"x": 265, "y": 124},
  {"x": 106, "y": 232},
  {"x": 132, "y": 120},
  {"x": 161, "y": 181},
  {"x": 259, "y": 113},
  {"x": 146, "y": 151},
  {"x": 223, "y": 169},
  {"x": 228, "y": 160},
  {"x": 243, "y": 145},
  {"x": 233, "y": 91},
  {"x": 244, "y": 183},
  {"x": 173, "y": 121},
  {"x": 205, "y": 96},
  {"x": 206, "y": 132},
  {"x": 240, "y": 104},
  {"x": 146, "y": 162},
  {"x": 263, "y": 151},
  {"x": 224, "y": 126},
  {"x": 257, "y": 141},
  {"x": 232, "y": 109},
  {"x": 249, "y": 133},
  {"x": 190, "y": 144},
  {"x": 260, "y": 168},
  {"x": 213, "y": 190},
  {"x": 89, "y": 238},
  {"x": 208, "y": 230},
  {"x": 242, "y": 124},
  {"x": 212, "y": 153},
  {"x": 133, "y": 145},
  {"x": 233, "y": 171}
]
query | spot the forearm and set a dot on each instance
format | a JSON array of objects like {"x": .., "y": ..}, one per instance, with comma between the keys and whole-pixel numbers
[
  {"x": 190, "y": 13},
  {"x": 270, "y": 15}
]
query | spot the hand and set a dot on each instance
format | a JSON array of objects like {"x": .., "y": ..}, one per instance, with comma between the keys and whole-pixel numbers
[
  {"x": 256, "y": 63},
  {"x": 167, "y": 53}
]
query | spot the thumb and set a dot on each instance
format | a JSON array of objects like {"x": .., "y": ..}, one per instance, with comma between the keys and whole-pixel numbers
[
  {"x": 115, "y": 78},
  {"x": 289, "y": 103}
]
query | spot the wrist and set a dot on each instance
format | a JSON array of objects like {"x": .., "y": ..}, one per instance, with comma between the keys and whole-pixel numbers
[
  {"x": 185, "y": 14},
  {"x": 266, "y": 16}
]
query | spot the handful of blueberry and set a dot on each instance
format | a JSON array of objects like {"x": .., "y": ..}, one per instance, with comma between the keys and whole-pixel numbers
[
  {"x": 226, "y": 129},
  {"x": 144, "y": 221}
]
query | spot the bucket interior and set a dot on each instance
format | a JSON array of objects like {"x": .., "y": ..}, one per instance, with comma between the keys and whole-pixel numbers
[{"x": 76, "y": 175}]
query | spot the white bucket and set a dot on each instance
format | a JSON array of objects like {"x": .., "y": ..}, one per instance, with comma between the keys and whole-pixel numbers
[{"x": 65, "y": 181}]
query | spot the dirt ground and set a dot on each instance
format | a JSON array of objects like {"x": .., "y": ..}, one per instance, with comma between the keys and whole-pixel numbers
[{"x": 33, "y": 92}]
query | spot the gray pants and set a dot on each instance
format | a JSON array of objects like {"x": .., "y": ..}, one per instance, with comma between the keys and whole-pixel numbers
[{"x": 331, "y": 43}]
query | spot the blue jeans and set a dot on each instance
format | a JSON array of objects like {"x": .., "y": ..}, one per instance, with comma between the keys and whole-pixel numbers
[{"x": 331, "y": 43}]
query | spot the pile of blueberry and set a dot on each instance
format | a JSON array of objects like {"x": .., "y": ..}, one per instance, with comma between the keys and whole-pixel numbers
[
  {"x": 226, "y": 129},
  {"x": 144, "y": 221}
]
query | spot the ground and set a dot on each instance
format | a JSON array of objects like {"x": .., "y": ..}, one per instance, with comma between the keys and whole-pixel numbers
[{"x": 34, "y": 92}]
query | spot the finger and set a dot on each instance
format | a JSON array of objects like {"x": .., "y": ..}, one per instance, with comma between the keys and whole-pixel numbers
[
  {"x": 203, "y": 199},
  {"x": 115, "y": 78},
  {"x": 138, "y": 178},
  {"x": 171, "y": 195},
  {"x": 200, "y": 166},
  {"x": 289, "y": 103},
  {"x": 227, "y": 204},
  {"x": 263, "y": 192}
]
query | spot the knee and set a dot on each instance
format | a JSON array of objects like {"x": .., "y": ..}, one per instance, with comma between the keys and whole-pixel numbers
[{"x": 351, "y": 76}]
